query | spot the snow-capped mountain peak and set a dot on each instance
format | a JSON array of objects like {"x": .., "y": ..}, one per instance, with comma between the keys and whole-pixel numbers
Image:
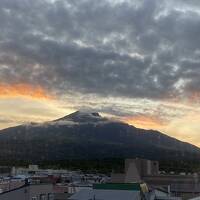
[{"x": 80, "y": 116}]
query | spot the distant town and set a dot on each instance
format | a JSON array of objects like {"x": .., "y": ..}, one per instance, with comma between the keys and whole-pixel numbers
[{"x": 141, "y": 179}]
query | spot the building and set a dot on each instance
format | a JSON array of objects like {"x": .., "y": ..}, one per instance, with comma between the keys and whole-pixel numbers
[
  {"x": 135, "y": 170},
  {"x": 29, "y": 192},
  {"x": 121, "y": 191},
  {"x": 110, "y": 191},
  {"x": 35, "y": 170},
  {"x": 180, "y": 185}
]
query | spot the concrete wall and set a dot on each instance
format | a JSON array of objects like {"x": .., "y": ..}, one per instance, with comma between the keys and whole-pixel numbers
[
  {"x": 117, "y": 178},
  {"x": 132, "y": 173},
  {"x": 170, "y": 179},
  {"x": 144, "y": 167}
]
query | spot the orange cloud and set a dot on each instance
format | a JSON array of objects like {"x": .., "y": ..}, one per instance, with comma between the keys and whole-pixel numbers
[
  {"x": 25, "y": 90},
  {"x": 146, "y": 122}
]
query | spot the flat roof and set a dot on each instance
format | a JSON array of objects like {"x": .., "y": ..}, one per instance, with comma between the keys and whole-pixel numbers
[
  {"x": 118, "y": 186},
  {"x": 86, "y": 194}
]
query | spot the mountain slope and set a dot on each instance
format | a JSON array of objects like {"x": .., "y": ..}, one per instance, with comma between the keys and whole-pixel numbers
[{"x": 88, "y": 135}]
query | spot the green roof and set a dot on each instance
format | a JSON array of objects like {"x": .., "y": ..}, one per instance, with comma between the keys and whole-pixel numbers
[{"x": 118, "y": 186}]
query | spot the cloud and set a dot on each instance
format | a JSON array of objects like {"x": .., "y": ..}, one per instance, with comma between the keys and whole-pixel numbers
[
  {"x": 24, "y": 90},
  {"x": 126, "y": 59},
  {"x": 6, "y": 120},
  {"x": 119, "y": 49},
  {"x": 146, "y": 122}
]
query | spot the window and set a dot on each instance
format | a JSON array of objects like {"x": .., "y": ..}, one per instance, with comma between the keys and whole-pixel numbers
[{"x": 34, "y": 198}]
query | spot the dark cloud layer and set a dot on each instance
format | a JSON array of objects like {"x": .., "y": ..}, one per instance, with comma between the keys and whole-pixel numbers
[{"x": 145, "y": 49}]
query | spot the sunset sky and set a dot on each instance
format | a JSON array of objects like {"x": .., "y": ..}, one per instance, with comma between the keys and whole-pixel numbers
[{"x": 133, "y": 60}]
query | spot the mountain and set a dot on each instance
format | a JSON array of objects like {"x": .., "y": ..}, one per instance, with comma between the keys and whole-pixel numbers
[
  {"x": 82, "y": 135},
  {"x": 82, "y": 117}
]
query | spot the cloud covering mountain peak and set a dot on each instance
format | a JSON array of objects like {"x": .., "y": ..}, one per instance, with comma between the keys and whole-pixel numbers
[{"x": 83, "y": 116}]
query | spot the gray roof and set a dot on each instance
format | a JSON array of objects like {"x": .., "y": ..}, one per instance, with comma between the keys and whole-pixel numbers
[
  {"x": 195, "y": 198},
  {"x": 90, "y": 194}
]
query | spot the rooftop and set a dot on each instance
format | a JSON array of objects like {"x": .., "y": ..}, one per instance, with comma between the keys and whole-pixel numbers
[{"x": 118, "y": 186}]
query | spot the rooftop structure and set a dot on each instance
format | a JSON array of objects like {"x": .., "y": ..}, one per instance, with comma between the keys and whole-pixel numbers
[
  {"x": 137, "y": 170},
  {"x": 109, "y": 192},
  {"x": 121, "y": 191}
]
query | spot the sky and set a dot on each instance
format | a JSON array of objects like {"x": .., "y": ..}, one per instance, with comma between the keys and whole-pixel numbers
[{"x": 133, "y": 60}]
